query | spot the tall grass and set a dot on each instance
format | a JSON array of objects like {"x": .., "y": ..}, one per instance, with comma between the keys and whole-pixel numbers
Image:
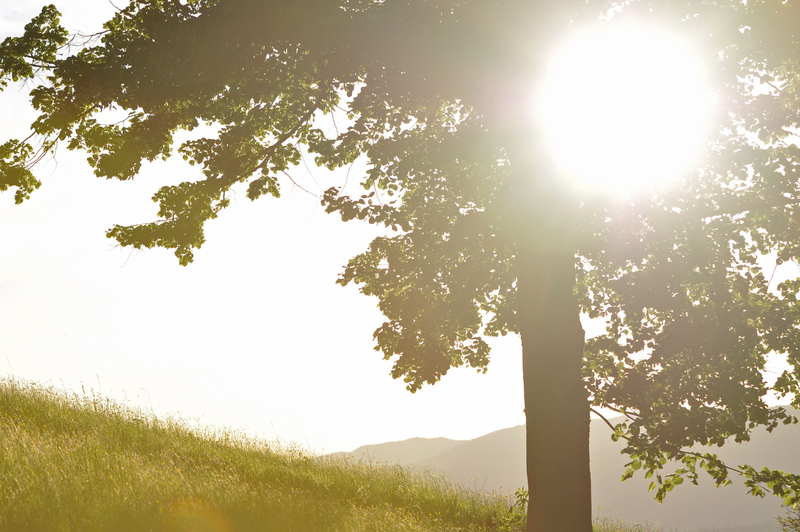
[
  {"x": 603, "y": 522},
  {"x": 84, "y": 463}
]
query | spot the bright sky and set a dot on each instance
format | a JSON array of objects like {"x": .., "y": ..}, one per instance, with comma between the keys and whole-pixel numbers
[{"x": 253, "y": 335}]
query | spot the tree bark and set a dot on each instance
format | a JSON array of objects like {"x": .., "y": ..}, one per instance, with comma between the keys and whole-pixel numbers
[{"x": 556, "y": 400}]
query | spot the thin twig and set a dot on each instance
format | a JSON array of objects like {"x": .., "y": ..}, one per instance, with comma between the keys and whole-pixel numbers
[
  {"x": 298, "y": 186},
  {"x": 601, "y": 416},
  {"x": 625, "y": 413},
  {"x": 347, "y": 176},
  {"x": 771, "y": 276},
  {"x": 310, "y": 173}
]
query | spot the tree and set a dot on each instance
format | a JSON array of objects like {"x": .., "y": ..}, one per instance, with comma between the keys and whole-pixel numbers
[{"x": 486, "y": 239}]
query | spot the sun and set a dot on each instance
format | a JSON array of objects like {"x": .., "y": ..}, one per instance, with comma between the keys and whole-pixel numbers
[{"x": 623, "y": 108}]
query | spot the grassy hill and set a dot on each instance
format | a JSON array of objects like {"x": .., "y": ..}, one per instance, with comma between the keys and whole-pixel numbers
[
  {"x": 71, "y": 463},
  {"x": 79, "y": 463}
]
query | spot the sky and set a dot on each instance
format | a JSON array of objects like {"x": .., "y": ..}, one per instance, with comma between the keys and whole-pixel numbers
[{"x": 254, "y": 335}]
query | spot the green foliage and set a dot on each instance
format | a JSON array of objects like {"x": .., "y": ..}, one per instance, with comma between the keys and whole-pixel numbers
[
  {"x": 517, "y": 513},
  {"x": 432, "y": 92},
  {"x": 22, "y": 57},
  {"x": 791, "y": 521},
  {"x": 14, "y": 171}
]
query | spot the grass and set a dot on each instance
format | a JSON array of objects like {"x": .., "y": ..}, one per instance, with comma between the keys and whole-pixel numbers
[
  {"x": 85, "y": 463},
  {"x": 603, "y": 522}
]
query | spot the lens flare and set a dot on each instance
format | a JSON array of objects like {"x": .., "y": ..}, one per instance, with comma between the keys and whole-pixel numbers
[{"x": 193, "y": 514}]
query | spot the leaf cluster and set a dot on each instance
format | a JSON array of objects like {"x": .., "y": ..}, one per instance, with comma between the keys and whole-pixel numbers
[{"x": 790, "y": 522}]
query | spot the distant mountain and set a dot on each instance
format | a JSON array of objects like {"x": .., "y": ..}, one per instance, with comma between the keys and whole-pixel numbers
[
  {"x": 496, "y": 461},
  {"x": 410, "y": 451}
]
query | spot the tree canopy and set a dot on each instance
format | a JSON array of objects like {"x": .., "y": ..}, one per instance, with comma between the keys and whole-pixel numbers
[{"x": 430, "y": 94}]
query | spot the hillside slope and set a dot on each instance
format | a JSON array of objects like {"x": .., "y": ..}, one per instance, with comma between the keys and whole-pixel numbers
[{"x": 85, "y": 464}]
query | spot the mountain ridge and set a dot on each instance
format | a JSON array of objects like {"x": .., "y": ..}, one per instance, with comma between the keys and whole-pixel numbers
[{"x": 496, "y": 462}]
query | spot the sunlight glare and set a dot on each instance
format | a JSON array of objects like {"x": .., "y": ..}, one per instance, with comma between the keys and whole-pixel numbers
[{"x": 623, "y": 108}]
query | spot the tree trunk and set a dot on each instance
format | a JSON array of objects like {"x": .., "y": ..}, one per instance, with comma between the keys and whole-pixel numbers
[{"x": 556, "y": 401}]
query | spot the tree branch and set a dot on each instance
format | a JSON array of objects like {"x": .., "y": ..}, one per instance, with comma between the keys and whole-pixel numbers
[
  {"x": 601, "y": 416},
  {"x": 289, "y": 134}
]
